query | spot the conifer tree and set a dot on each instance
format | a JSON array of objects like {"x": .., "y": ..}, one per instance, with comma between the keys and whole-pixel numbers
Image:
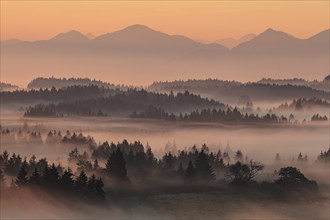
[
  {"x": 204, "y": 170},
  {"x": 190, "y": 173},
  {"x": 22, "y": 179},
  {"x": 35, "y": 177},
  {"x": 81, "y": 181},
  {"x": 116, "y": 165},
  {"x": 66, "y": 181}
]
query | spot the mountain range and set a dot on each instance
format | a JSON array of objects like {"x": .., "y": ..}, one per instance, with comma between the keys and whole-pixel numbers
[{"x": 139, "y": 55}]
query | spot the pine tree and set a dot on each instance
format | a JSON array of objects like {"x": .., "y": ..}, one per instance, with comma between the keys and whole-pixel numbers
[
  {"x": 300, "y": 158},
  {"x": 204, "y": 170},
  {"x": 66, "y": 181},
  {"x": 116, "y": 165},
  {"x": 168, "y": 160},
  {"x": 99, "y": 189},
  {"x": 150, "y": 157},
  {"x": 190, "y": 174},
  {"x": 53, "y": 175},
  {"x": 81, "y": 181},
  {"x": 277, "y": 158},
  {"x": 35, "y": 177},
  {"x": 91, "y": 183},
  {"x": 22, "y": 178}
]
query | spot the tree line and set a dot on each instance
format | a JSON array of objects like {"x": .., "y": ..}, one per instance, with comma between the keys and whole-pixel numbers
[
  {"x": 199, "y": 171},
  {"x": 26, "y": 136},
  {"x": 305, "y": 103},
  {"x": 209, "y": 115},
  {"x": 70, "y": 93},
  {"x": 123, "y": 103}
]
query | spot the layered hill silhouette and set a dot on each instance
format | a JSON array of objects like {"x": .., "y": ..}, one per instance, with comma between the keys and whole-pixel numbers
[
  {"x": 231, "y": 91},
  {"x": 140, "y": 55}
]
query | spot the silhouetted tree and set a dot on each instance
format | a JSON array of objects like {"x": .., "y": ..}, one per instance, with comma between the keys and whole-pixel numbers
[
  {"x": 81, "y": 183},
  {"x": 324, "y": 157},
  {"x": 190, "y": 174},
  {"x": 240, "y": 174},
  {"x": 204, "y": 170},
  {"x": 67, "y": 181},
  {"x": 290, "y": 178},
  {"x": 239, "y": 156},
  {"x": 277, "y": 158},
  {"x": 35, "y": 177},
  {"x": 22, "y": 178},
  {"x": 116, "y": 165}
]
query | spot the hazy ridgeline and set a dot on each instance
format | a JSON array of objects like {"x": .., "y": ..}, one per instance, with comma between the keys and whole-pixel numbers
[{"x": 139, "y": 55}]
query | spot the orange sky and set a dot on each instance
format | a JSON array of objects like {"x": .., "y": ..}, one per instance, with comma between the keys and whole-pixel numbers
[{"x": 212, "y": 20}]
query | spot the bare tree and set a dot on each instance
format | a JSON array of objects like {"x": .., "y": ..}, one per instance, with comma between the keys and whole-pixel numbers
[{"x": 243, "y": 173}]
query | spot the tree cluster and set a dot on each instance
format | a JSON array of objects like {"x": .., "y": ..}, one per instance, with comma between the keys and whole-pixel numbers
[
  {"x": 324, "y": 157},
  {"x": 305, "y": 103},
  {"x": 50, "y": 178},
  {"x": 318, "y": 117}
]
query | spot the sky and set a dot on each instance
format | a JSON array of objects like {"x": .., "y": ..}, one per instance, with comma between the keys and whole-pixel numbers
[{"x": 200, "y": 20}]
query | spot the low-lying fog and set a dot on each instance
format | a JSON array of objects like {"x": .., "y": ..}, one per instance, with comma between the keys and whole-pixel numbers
[{"x": 260, "y": 142}]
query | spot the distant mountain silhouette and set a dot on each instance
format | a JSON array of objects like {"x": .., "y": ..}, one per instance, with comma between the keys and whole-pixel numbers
[
  {"x": 140, "y": 55},
  {"x": 71, "y": 37},
  {"x": 272, "y": 42},
  {"x": 141, "y": 39}
]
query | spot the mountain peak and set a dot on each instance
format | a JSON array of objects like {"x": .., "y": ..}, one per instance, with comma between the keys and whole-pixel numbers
[
  {"x": 138, "y": 27},
  {"x": 134, "y": 33},
  {"x": 273, "y": 32},
  {"x": 271, "y": 35},
  {"x": 70, "y": 37},
  {"x": 270, "y": 30}
]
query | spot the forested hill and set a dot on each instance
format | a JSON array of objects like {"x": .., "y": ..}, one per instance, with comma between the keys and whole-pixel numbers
[
  {"x": 58, "y": 83},
  {"x": 230, "y": 91},
  {"x": 71, "y": 93},
  {"x": 124, "y": 103},
  {"x": 319, "y": 85},
  {"x": 7, "y": 87}
]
